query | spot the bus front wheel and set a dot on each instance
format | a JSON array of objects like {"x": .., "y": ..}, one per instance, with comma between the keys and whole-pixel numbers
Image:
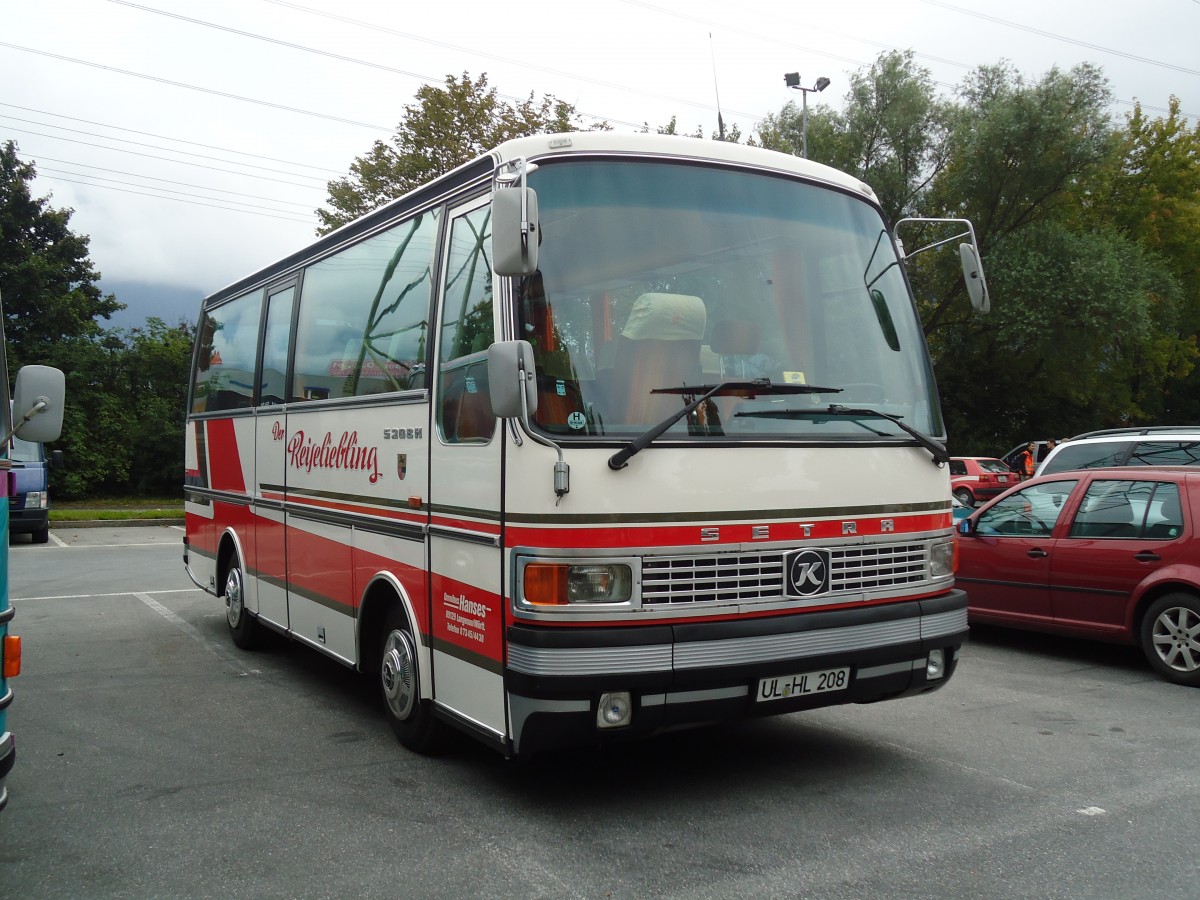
[{"x": 400, "y": 675}]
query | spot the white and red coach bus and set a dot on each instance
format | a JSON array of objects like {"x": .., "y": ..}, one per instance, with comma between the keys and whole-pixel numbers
[{"x": 596, "y": 436}]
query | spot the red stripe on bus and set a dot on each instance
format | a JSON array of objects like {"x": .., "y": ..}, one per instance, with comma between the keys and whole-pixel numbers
[
  {"x": 737, "y": 533},
  {"x": 224, "y": 460}
]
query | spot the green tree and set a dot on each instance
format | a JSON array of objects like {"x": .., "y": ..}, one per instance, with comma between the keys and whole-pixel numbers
[
  {"x": 51, "y": 297},
  {"x": 1021, "y": 153},
  {"x": 446, "y": 127},
  {"x": 891, "y": 133},
  {"x": 1083, "y": 339},
  {"x": 156, "y": 365},
  {"x": 1151, "y": 192}
]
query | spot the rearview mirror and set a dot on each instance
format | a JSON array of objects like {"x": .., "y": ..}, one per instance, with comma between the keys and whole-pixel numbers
[
  {"x": 39, "y": 395},
  {"x": 973, "y": 275},
  {"x": 968, "y": 253},
  {"x": 965, "y": 527},
  {"x": 514, "y": 231},
  {"x": 511, "y": 370}
]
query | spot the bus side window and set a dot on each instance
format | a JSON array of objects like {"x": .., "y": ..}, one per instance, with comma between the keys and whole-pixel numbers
[
  {"x": 364, "y": 315},
  {"x": 275, "y": 345},
  {"x": 466, "y": 331},
  {"x": 225, "y": 369}
]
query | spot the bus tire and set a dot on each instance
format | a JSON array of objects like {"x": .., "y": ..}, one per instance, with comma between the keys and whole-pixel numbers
[
  {"x": 400, "y": 676},
  {"x": 242, "y": 626}
]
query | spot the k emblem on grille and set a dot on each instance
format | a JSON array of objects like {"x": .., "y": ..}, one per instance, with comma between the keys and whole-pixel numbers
[{"x": 808, "y": 573}]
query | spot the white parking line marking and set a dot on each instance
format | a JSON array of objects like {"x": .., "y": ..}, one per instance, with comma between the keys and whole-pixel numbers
[
  {"x": 54, "y": 537},
  {"x": 114, "y": 594},
  {"x": 218, "y": 651}
]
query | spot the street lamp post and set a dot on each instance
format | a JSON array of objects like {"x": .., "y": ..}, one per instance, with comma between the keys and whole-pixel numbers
[{"x": 792, "y": 79}]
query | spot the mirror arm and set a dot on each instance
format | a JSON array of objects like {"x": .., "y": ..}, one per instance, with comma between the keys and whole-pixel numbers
[
  {"x": 969, "y": 233},
  {"x": 40, "y": 405},
  {"x": 562, "y": 472}
]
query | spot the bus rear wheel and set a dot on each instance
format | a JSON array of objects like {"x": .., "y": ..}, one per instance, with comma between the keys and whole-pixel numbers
[
  {"x": 410, "y": 716},
  {"x": 242, "y": 626}
]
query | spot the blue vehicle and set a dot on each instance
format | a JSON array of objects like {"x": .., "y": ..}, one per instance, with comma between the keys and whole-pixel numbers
[
  {"x": 36, "y": 413},
  {"x": 29, "y": 499}
]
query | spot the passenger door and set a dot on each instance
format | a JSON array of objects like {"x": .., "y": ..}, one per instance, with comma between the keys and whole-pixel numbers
[
  {"x": 270, "y": 558},
  {"x": 465, "y": 484}
]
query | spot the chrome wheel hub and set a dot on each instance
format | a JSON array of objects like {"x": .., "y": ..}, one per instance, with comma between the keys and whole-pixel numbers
[
  {"x": 233, "y": 598},
  {"x": 399, "y": 674}
]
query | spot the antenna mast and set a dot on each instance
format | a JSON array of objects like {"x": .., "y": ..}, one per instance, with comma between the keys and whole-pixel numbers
[{"x": 716, "y": 89}]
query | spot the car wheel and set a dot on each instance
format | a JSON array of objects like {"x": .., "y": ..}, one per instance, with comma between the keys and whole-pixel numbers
[
  {"x": 243, "y": 627},
  {"x": 964, "y": 497},
  {"x": 400, "y": 676},
  {"x": 1170, "y": 637},
  {"x": 41, "y": 536}
]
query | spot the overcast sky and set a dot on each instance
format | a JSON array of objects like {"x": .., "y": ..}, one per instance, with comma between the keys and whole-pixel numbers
[{"x": 194, "y": 138}]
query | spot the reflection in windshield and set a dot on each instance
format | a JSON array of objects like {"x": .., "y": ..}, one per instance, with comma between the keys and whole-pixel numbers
[
  {"x": 25, "y": 451},
  {"x": 657, "y": 275}
]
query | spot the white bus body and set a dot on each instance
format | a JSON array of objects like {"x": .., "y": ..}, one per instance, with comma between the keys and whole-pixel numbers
[{"x": 784, "y": 545}]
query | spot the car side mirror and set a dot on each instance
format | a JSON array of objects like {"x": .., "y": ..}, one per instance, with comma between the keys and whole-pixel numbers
[{"x": 966, "y": 527}]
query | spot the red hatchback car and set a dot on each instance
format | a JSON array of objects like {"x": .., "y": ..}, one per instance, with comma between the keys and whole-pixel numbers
[
  {"x": 1112, "y": 554},
  {"x": 975, "y": 478}
]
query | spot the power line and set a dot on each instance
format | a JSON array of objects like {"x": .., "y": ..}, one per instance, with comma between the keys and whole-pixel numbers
[
  {"x": 252, "y": 212},
  {"x": 38, "y": 159},
  {"x": 859, "y": 63},
  {"x": 165, "y": 137},
  {"x": 525, "y": 64},
  {"x": 1062, "y": 37},
  {"x": 163, "y": 191},
  {"x": 427, "y": 79},
  {"x": 178, "y": 162},
  {"x": 194, "y": 87},
  {"x": 154, "y": 147}
]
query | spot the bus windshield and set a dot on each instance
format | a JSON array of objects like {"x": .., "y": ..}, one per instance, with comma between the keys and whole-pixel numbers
[{"x": 656, "y": 276}]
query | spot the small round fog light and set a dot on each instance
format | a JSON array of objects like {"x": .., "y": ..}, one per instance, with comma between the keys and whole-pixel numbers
[
  {"x": 935, "y": 668},
  {"x": 616, "y": 709}
]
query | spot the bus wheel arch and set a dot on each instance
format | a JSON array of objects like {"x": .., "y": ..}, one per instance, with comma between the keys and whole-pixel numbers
[{"x": 394, "y": 657}]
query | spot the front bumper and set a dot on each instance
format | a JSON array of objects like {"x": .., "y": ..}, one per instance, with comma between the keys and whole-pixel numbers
[
  {"x": 23, "y": 521},
  {"x": 695, "y": 673}
]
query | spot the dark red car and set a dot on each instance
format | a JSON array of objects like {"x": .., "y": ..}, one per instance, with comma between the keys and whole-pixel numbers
[
  {"x": 975, "y": 478},
  {"x": 1111, "y": 554}
]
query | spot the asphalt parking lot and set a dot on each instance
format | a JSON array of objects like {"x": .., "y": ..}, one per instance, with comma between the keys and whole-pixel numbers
[{"x": 156, "y": 760}]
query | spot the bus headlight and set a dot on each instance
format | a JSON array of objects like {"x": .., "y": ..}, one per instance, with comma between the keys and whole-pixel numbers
[
  {"x": 941, "y": 559},
  {"x": 564, "y": 583}
]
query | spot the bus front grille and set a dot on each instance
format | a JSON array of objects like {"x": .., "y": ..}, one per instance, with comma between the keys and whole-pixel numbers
[{"x": 749, "y": 577}]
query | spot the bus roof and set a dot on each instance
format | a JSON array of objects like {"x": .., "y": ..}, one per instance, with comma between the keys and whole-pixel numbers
[
  {"x": 673, "y": 146},
  {"x": 542, "y": 146}
]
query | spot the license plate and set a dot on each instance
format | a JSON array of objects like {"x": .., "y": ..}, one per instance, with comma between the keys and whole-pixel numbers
[{"x": 785, "y": 687}]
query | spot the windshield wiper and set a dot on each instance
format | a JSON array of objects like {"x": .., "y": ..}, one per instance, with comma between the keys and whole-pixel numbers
[
  {"x": 746, "y": 388},
  {"x": 941, "y": 455}
]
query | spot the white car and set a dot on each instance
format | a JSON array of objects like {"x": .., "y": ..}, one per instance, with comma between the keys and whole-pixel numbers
[{"x": 1151, "y": 446}]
